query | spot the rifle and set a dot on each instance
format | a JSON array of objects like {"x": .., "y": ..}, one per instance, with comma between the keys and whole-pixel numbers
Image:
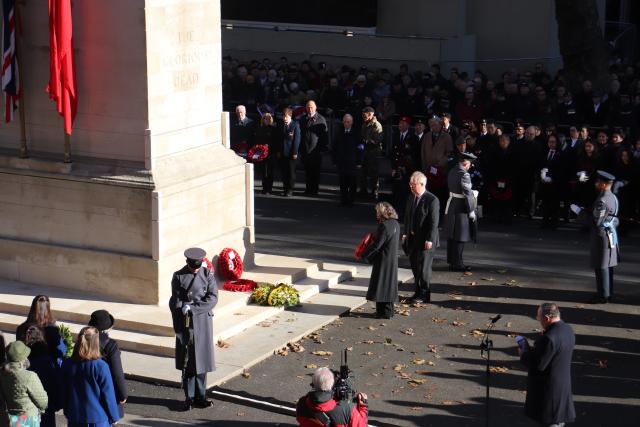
[{"x": 186, "y": 343}]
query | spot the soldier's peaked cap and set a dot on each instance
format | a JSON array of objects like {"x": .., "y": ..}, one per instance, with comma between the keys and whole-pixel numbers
[
  {"x": 195, "y": 253},
  {"x": 468, "y": 156},
  {"x": 605, "y": 176}
]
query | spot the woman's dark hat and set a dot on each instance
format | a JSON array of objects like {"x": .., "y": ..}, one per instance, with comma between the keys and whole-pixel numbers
[{"x": 101, "y": 320}]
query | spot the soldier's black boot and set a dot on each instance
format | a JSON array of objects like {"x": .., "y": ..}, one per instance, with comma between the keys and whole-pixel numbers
[{"x": 187, "y": 405}]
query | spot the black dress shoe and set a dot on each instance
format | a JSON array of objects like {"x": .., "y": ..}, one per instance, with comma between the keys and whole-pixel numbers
[
  {"x": 597, "y": 299},
  {"x": 460, "y": 268},
  {"x": 187, "y": 405},
  {"x": 203, "y": 403}
]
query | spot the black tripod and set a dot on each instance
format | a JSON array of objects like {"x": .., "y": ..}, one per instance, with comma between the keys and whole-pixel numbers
[{"x": 487, "y": 346}]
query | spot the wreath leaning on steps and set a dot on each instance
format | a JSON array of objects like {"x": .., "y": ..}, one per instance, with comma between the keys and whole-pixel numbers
[{"x": 278, "y": 295}]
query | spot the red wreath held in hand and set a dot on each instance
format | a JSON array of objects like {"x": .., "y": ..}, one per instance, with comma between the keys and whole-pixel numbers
[
  {"x": 229, "y": 264},
  {"x": 241, "y": 285},
  {"x": 258, "y": 153},
  {"x": 364, "y": 244},
  {"x": 206, "y": 263}
]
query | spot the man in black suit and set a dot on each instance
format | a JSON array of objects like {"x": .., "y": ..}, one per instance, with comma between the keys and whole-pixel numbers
[
  {"x": 288, "y": 151},
  {"x": 313, "y": 128},
  {"x": 549, "y": 398},
  {"x": 347, "y": 158},
  {"x": 420, "y": 238}
]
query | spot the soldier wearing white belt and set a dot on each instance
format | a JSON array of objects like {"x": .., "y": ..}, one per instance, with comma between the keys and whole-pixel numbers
[{"x": 460, "y": 212}]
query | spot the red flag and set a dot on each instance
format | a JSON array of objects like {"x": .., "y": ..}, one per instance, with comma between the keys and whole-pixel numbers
[{"x": 62, "y": 76}]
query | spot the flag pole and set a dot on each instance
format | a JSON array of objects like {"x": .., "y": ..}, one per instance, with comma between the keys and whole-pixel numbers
[
  {"x": 24, "y": 149},
  {"x": 67, "y": 148}
]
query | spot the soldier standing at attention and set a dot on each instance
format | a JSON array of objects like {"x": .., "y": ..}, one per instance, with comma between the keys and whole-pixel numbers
[
  {"x": 603, "y": 221},
  {"x": 194, "y": 293},
  {"x": 460, "y": 211}
]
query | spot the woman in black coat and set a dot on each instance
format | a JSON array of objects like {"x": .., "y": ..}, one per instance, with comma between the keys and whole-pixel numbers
[
  {"x": 267, "y": 134},
  {"x": 383, "y": 254}
]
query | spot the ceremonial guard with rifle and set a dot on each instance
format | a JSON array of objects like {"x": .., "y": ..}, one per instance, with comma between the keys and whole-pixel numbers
[{"x": 194, "y": 293}]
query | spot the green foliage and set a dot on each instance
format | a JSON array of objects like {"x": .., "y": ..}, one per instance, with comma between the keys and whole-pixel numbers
[{"x": 66, "y": 335}]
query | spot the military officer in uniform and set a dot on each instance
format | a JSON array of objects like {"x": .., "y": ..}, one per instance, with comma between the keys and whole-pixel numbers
[
  {"x": 603, "y": 221},
  {"x": 194, "y": 293},
  {"x": 460, "y": 211}
]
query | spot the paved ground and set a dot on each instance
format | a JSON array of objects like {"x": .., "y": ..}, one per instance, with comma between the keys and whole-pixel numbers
[{"x": 424, "y": 366}]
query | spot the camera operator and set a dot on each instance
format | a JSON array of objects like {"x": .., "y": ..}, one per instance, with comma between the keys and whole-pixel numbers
[{"x": 319, "y": 407}]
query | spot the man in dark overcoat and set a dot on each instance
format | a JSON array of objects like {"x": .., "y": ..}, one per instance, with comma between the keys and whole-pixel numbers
[
  {"x": 420, "y": 238},
  {"x": 549, "y": 398},
  {"x": 347, "y": 158},
  {"x": 404, "y": 162},
  {"x": 288, "y": 151},
  {"x": 603, "y": 223},
  {"x": 242, "y": 131},
  {"x": 460, "y": 211},
  {"x": 194, "y": 294},
  {"x": 314, "y": 141}
]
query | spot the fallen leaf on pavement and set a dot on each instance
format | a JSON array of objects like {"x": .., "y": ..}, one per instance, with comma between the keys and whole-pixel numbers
[
  {"x": 368, "y": 353},
  {"x": 433, "y": 348},
  {"x": 477, "y": 333},
  {"x": 311, "y": 366},
  {"x": 296, "y": 347},
  {"x": 418, "y": 381},
  {"x": 322, "y": 353},
  {"x": 473, "y": 283},
  {"x": 368, "y": 342},
  {"x": 448, "y": 402},
  {"x": 498, "y": 369},
  {"x": 283, "y": 351},
  {"x": 468, "y": 273},
  {"x": 409, "y": 331},
  {"x": 438, "y": 319},
  {"x": 431, "y": 363},
  {"x": 240, "y": 414},
  {"x": 416, "y": 408},
  {"x": 508, "y": 324},
  {"x": 349, "y": 348},
  {"x": 418, "y": 361},
  {"x": 246, "y": 374},
  {"x": 372, "y": 328},
  {"x": 223, "y": 344},
  {"x": 399, "y": 367},
  {"x": 458, "y": 323}
]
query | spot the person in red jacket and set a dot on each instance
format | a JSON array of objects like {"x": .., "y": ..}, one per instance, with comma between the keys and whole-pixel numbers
[{"x": 319, "y": 408}]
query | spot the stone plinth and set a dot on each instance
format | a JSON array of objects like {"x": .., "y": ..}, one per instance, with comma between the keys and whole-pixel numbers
[{"x": 150, "y": 175}]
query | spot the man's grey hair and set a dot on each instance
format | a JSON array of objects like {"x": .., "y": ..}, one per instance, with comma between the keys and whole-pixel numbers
[
  {"x": 419, "y": 176},
  {"x": 550, "y": 309},
  {"x": 322, "y": 379},
  {"x": 349, "y": 116}
]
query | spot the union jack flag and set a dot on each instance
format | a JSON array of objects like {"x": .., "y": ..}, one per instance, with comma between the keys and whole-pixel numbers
[{"x": 10, "y": 80}]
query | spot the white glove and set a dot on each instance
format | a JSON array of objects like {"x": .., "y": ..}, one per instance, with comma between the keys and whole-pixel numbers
[
  {"x": 475, "y": 193},
  {"x": 547, "y": 180},
  {"x": 582, "y": 176},
  {"x": 186, "y": 308},
  {"x": 543, "y": 173},
  {"x": 575, "y": 209},
  {"x": 472, "y": 216}
]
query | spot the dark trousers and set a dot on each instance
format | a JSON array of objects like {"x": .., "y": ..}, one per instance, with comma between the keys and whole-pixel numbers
[
  {"x": 369, "y": 175},
  {"x": 384, "y": 309},
  {"x": 550, "y": 198},
  {"x": 604, "y": 281},
  {"x": 348, "y": 188},
  {"x": 312, "y": 163},
  {"x": 421, "y": 262},
  {"x": 195, "y": 386},
  {"x": 288, "y": 171},
  {"x": 268, "y": 169},
  {"x": 454, "y": 253}
]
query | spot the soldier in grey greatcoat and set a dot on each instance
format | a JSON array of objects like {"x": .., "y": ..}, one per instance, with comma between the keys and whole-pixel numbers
[
  {"x": 603, "y": 222},
  {"x": 194, "y": 293},
  {"x": 460, "y": 214}
]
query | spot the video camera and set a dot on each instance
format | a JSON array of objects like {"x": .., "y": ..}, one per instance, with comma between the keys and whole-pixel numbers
[{"x": 344, "y": 380}]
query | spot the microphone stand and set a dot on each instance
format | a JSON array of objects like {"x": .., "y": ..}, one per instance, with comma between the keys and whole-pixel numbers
[{"x": 487, "y": 346}]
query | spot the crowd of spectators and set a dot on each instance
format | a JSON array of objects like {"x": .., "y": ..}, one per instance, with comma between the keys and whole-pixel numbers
[
  {"x": 38, "y": 376},
  {"x": 538, "y": 139}
]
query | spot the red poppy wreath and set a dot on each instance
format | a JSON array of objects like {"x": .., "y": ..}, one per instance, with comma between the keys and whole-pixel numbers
[
  {"x": 258, "y": 153},
  {"x": 364, "y": 244},
  {"x": 241, "y": 285},
  {"x": 229, "y": 264}
]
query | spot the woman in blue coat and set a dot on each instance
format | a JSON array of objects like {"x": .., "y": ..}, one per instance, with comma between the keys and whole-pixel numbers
[{"x": 90, "y": 398}]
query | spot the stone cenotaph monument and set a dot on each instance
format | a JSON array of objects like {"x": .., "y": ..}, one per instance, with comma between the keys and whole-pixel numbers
[{"x": 151, "y": 173}]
